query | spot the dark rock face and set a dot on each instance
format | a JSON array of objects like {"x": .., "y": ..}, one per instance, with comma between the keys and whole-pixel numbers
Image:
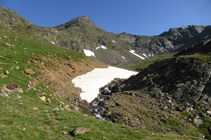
[{"x": 185, "y": 79}]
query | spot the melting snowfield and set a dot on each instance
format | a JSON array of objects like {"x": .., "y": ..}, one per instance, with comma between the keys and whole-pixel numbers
[{"x": 91, "y": 82}]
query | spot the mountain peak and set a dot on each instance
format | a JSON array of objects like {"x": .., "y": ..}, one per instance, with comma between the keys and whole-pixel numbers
[{"x": 76, "y": 22}]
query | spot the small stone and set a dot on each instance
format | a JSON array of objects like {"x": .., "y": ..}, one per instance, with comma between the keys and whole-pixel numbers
[
  {"x": 81, "y": 130},
  {"x": 209, "y": 111},
  {"x": 76, "y": 108},
  {"x": 8, "y": 45},
  {"x": 19, "y": 97},
  {"x": 7, "y": 72},
  {"x": 56, "y": 109},
  {"x": 197, "y": 122},
  {"x": 29, "y": 72},
  {"x": 48, "y": 100},
  {"x": 35, "y": 108},
  {"x": 68, "y": 57},
  {"x": 4, "y": 76},
  {"x": 64, "y": 133},
  {"x": 165, "y": 108},
  {"x": 62, "y": 102},
  {"x": 43, "y": 98}
]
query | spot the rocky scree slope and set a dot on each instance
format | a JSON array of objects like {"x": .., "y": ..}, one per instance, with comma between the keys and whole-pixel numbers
[
  {"x": 175, "y": 39},
  {"x": 171, "y": 95}
]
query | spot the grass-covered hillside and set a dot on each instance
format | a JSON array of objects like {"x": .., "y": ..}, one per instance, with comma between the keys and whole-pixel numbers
[{"x": 42, "y": 103}]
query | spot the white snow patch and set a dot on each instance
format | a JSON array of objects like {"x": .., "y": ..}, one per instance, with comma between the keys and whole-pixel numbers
[
  {"x": 123, "y": 57},
  {"x": 52, "y": 42},
  {"x": 206, "y": 36},
  {"x": 133, "y": 52},
  {"x": 145, "y": 55},
  {"x": 89, "y": 53},
  {"x": 97, "y": 78},
  {"x": 102, "y": 47},
  {"x": 113, "y": 41}
]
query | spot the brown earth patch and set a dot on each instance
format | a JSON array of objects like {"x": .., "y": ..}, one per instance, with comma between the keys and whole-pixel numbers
[{"x": 57, "y": 74}]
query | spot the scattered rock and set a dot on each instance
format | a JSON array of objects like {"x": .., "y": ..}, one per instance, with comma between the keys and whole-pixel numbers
[
  {"x": 43, "y": 98},
  {"x": 35, "y": 108},
  {"x": 64, "y": 133},
  {"x": 56, "y": 109},
  {"x": 76, "y": 108},
  {"x": 209, "y": 111},
  {"x": 6, "y": 91},
  {"x": 81, "y": 130},
  {"x": 7, "y": 72},
  {"x": 8, "y": 45},
  {"x": 48, "y": 100},
  {"x": 4, "y": 76},
  {"x": 12, "y": 86}
]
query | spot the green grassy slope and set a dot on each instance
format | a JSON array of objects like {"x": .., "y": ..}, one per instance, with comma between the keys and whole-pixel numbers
[{"x": 25, "y": 116}]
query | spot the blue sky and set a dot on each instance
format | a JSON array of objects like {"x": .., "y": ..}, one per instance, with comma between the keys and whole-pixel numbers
[{"x": 140, "y": 17}]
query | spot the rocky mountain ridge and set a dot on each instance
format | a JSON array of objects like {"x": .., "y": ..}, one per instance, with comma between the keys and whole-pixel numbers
[{"x": 175, "y": 39}]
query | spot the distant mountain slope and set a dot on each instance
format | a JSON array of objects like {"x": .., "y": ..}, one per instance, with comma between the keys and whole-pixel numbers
[{"x": 175, "y": 39}]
